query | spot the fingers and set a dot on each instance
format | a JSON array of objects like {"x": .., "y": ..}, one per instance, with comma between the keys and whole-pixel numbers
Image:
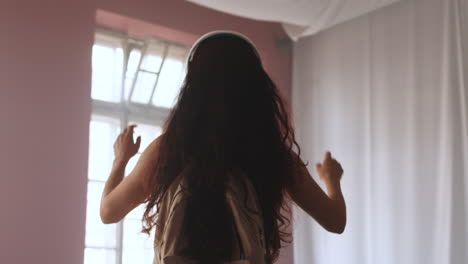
[
  {"x": 329, "y": 159},
  {"x": 327, "y": 156},
  {"x": 318, "y": 166},
  {"x": 138, "y": 142},
  {"x": 127, "y": 134},
  {"x": 318, "y": 169},
  {"x": 130, "y": 129}
]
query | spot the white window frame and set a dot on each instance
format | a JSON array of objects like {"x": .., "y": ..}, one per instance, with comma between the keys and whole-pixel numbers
[{"x": 126, "y": 110}]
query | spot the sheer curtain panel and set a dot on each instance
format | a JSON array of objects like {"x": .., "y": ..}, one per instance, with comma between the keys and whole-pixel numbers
[{"x": 387, "y": 94}]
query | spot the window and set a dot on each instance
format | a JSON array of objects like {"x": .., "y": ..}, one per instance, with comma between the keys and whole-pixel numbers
[{"x": 134, "y": 82}]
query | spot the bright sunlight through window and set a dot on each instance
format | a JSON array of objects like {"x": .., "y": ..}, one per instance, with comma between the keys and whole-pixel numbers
[{"x": 134, "y": 82}]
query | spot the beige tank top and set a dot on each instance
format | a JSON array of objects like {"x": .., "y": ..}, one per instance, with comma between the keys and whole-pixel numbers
[{"x": 247, "y": 217}]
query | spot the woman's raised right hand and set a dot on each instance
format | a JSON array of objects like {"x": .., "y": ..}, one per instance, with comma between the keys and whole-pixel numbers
[{"x": 330, "y": 170}]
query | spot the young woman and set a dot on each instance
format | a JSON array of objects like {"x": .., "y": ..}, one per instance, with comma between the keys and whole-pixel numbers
[{"x": 217, "y": 182}]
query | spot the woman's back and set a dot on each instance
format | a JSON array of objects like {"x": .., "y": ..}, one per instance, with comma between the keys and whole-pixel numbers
[{"x": 249, "y": 242}]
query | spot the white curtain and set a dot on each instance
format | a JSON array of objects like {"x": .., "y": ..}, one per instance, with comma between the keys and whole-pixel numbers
[
  {"x": 300, "y": 18},
  {"x": 387, "y": 94}
]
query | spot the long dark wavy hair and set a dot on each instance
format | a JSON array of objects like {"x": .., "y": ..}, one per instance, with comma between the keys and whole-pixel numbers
[{"x": 229, "y": 115}]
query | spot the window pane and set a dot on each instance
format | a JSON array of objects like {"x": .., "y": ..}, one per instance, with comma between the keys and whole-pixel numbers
[
  {"x": 107, "y": 73},
  {"x": 143, "y": 87},
  {"x": 98, "y": 234},
  {"x": 133, "y": 61},
  {"x": 131, "y": 164},
  {"x": 153, "y": 56},
  {"x": 134, "y": 238},
  {"x": 99, "y": 256},
  {"x": 131, "y": 256},
  {"x": 148, "y": 134},
  {"x": 128, "y": 86},
  {"x": 137, "y": 246},
  {"x": 151, "y": 63},
  {"x": 170, "y": 81},
  {"x": 137, "y": 213},
  {"x": 102, "y": 134},
  {"x": 132, "y": 67}
]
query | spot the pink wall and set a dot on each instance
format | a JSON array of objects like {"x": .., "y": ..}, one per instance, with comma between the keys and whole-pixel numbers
[
  {"x": 45, "y": 67},
  {"x": 45, "y": 52}
]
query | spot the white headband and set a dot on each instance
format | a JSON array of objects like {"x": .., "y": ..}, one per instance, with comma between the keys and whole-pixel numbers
[{"x": 220, "y": 32}]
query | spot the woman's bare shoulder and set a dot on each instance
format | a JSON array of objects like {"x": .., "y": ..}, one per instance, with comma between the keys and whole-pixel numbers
[{"x": 152, "y": 151}]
